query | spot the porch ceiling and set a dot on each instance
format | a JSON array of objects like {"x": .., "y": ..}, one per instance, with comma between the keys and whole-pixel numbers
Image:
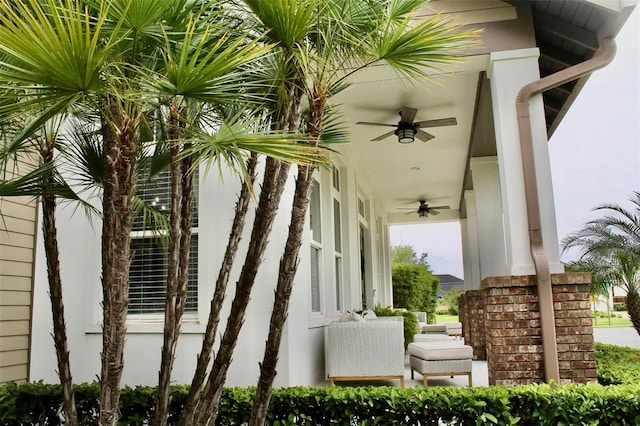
[
  {"x": 402, "y": 174},
  {"x": 566, "y": 32}
]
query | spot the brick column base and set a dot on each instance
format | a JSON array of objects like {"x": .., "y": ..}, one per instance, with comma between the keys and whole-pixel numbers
[
  {"x": 513, "y": 334},
  {"x": 574, "y": 331},
  {"x": 472, "y": 315}
]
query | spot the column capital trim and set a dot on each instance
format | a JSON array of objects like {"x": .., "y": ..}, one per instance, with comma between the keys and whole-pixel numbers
[
  {"x": 479, "y": 161},
  {"x": 510, "y": 55}
]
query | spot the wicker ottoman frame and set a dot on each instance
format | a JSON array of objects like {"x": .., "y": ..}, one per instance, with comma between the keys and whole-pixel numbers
[{"x": 448, "y": 367}]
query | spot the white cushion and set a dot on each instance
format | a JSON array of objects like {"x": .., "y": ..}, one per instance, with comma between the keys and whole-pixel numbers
[
  {"x": 432, "y": 337},
  {"x": 369, "y": 314},
  {"x": 351, "y": 316},
  {"x": 434, "y": 328},
  {"x": 433, "y": 351}
]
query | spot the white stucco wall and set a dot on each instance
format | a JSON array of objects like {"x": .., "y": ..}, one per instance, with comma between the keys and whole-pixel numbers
[{"x": 301, "y": 360}]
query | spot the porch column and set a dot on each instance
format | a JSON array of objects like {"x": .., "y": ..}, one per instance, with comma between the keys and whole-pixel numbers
[
  {"x": 470, "y": 253},
  {"x": 508, "y": 72},
  {"x": 350, "y": 240},
  {"x": 488, "y": 206}
]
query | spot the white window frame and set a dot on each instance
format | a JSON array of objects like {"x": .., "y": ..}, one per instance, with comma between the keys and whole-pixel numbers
[
  {"x": 338, "y": 240},
  {"x": 316, "y": 245}
]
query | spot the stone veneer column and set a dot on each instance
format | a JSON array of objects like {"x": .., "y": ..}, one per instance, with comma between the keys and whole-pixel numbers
[{"x": 513, "y": 335}]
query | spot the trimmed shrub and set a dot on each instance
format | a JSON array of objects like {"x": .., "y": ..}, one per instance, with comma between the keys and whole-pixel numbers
[
  {"x": 619, "y": 307},
  {"x": 617, "y": 364},
  {"x": 37, "y": 403}
]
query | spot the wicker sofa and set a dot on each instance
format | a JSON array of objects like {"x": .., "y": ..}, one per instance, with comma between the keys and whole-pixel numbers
[{"x": 365, "y": 350}]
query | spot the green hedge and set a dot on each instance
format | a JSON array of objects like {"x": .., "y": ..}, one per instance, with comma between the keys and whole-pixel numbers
[
  {"x": 617, "y": 365},
  {"x": 37, "y": 403}
]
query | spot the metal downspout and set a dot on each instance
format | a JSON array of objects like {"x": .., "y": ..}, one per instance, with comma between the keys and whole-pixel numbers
[{"x": 603, "y": 57}]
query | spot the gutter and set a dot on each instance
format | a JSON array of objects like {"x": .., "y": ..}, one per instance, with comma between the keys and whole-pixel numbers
[{"x": 603, "y": 57}]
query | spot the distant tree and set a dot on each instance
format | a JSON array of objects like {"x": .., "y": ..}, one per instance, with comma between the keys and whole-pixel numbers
[
  {"x": 451, "y": 299},
  {"x": 407, "y": 254},
  {"x": 403, "y": 254}
]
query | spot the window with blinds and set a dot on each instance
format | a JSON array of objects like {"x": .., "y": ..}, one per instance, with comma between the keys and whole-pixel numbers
[{"x": 149, "y": 246}]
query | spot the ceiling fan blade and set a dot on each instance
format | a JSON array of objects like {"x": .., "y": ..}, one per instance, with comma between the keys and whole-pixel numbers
[
  {"x": 433, "y": 212},
  {"x": 441, "y": 207},
  {"x": 407, "y": 114},
  {"x": 367, "y": 123},
  {"x": 384, "y": 136},
  {"x": 424, "y": 136},
  {"x": 451, "y": 121}
]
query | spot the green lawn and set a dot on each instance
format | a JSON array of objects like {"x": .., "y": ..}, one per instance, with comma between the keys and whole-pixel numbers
[
  {"x": 602, "y": 322},
  {"x": 615, "y": 322},
  {"x": 446, "y": 318}
]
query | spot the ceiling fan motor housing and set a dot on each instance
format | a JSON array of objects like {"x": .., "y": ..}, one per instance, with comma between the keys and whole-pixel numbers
[{"x": 423, "y": 209}]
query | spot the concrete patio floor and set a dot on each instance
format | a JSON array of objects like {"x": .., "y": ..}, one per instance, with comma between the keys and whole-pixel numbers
[{"x": 620, "y": 336}]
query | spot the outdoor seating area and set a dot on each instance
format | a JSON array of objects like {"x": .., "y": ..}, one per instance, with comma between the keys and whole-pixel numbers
[{"x": 373, "y": 350}]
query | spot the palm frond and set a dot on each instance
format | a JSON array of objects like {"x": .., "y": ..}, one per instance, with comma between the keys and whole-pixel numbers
[
  {"x": 53, "y": 44},
  {"x": 229, "y": 145},
  {"x": 30, "y": 184},
  {"x": 417, "y": 50},
  {"x": 150, "y": 218},
  {"x": 286, "y": 21},
  {"x": 206, "y": 65},
  {"x": 83, "y": 153}
]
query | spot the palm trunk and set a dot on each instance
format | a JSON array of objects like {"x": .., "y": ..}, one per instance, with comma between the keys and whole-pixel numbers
[
  {"x": 287, "y": 272},
  {"x": 52, "y": 253},
  {"x": 275, "y": 177},
  {"x": 633, "y": 308},
  {"x": 219, "y": 294},
  {"x": 173, "y": 304},
  {"x": 119, "y": 181}
]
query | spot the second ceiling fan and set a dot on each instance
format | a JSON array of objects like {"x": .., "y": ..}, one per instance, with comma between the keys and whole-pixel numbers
[{"x": 407, "y": 130}]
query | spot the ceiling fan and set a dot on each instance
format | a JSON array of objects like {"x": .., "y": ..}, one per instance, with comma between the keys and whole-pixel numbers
[
  {"x": 407, "y": 130},
  {"x": 424, "y": 210}
]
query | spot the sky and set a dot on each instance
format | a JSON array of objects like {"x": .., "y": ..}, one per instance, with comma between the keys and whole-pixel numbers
[{"x": 595, "y": 157}]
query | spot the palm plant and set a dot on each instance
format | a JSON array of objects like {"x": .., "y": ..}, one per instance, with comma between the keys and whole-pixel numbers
[
  {"x": 113, "y": 63},
  {"x": 319, "y": 45},
  {"x": 613, "y": 242}
]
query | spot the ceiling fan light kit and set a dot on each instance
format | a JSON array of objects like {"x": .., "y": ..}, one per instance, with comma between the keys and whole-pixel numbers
[{"x": 405, "y": 134}]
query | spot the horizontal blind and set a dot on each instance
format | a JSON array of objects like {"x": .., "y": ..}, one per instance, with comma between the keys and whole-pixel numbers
[
  {"x": 315, "y": 279},
  {"x": 148, "y": 276}
]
